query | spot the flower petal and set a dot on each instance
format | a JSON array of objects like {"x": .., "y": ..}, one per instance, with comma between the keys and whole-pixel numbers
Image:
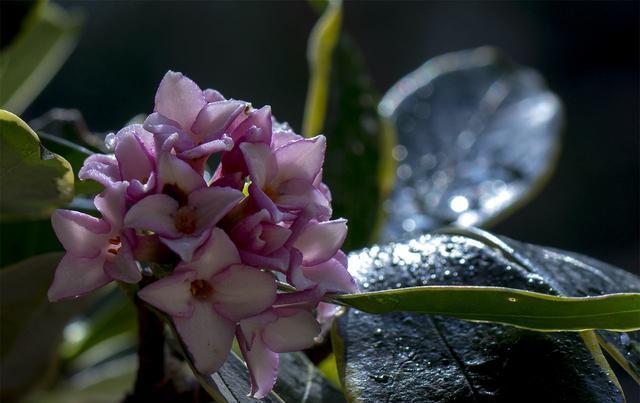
[
  {"x": 174, "y": 171},
  {"x": 76, "y": 276},
  {"x": 100, "y": 168},
  {"x": 278, "y": 260},
  {"x": 294, "y": 330},
  {"x": 111, "y": 204},
  {"x": 215, "y": 255},
  {"x": 242, "y": 291},
  {"x": 216, "y": 117},
  {"x": 262, "y": 364},
  {"x": 213, "y": 203},
  {"x": 171, "y": 294},
  {"x": 133, "y": 160},
  {"x": 211, "y": 95},
  {"x": 124, "y": 267},
  {"x": 79, "y": 233},
  {"x": 260, "y": 162},
  {"x": 301, "y": 159},
  {"x": 209, "y": 148},
  {"x": 155, "y": 213},
  {"x": 185, "y": 246},
  {"x": 320, "y": 241},
  {"x": 207, "y": 335},
  {"x": 179, "y": 99},
  {"x": 259, "y": 119},
  {"x": 331, "y": 276}
]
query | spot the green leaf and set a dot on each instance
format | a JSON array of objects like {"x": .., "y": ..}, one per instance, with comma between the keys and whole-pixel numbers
[
  {"x": 28, "y": 64},
  {"x": 75, "y": 154},
  {"x": 34, "y": 181},
  {"x": 322, "y": 42},
  {"x": 478, "y": 136},
  {"x": 358, "y": 166},
  {"x": 32, "y": 327},
  {"x": 524, "y": 309},
  {"x": 405, "y": 356}
]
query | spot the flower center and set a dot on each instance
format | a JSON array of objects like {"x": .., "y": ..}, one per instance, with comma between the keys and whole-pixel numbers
[
  {"x": 201, "y": 289},
  {"x": 114, "y": 245},
  {"x": 178, "y": 194},
  {"x": 185, "y": 220}
]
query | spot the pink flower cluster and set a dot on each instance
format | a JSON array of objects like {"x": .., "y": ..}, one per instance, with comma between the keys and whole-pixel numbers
[{"x": 228, "y": 234}]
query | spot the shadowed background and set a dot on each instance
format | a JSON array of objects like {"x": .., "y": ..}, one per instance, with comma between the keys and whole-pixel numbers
[{"x": 587, "y": 51}]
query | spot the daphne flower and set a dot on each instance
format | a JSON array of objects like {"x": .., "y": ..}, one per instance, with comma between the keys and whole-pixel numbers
[
  {"x": 262, "y": 337},
  {"x": 283, "y": 180},
  {"x": 208, "y": 296},
  {"x": 200, "y": 118},
  {"x": 98, "y": 251},
  {"x": 262, "y": 242},
  {"x": 134, "y": 161}
]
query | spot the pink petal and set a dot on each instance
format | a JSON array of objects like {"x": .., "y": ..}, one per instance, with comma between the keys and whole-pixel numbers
[
  {"x": 217, "y": 254},
  {"x": 332, "y": 276},
  {"x": 213, "y": 203},
  {"x": 283, "y": 137},
  {"x": 186, "y": 245},
  {"x": 171, "y": 294},
  {"x": 100, "y": 168},
  {"x": 209, "y": 148},
  {"x": 137, "y": 190},
  {"x": 293, "y": 331},
  {"x": 216, "y": 117},
  {"x": 132, "y": 156},
  {"x": 262, "y": 201},
  {"x": 319, "y": 241},
  {"x": 301, "y": 159},
  {"x": 174, "y": 171},
  {"x": 275, "y": 237},
  {"x": 111, "y": 204},
  {"x": 124, "y": 267},
  {"x": 260, "y": 162},
  {"x": 180, "y": 99},
  {"x": 278, "y": 260},
  {"x": 242, "y": 291},
  {"x": 76, "y": 276},
  {"x": 260, "y": 119},
  {"x": 207, "y": 335},
  {"x": 155, "y": 213},
  {"x": 80, "y": 234},
  {"x": 248, "y": 224},
  {"x": 159, "y": 124},
  {"x": 262, "y": 364},
  {"x": 211, "y": 95},
  {"x": 324, "y": 315}
]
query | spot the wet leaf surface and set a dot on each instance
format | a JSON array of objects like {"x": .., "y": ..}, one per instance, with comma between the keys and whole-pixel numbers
[
  {"x": 403, "y": 357},
  {"x": 477, "y": 135}
]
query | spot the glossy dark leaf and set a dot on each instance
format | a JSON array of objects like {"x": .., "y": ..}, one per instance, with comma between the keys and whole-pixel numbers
[
  {"x": 403, "y": 357},
  {"x": 477, "y": 135},
  {"x": 31, "y": 326}
]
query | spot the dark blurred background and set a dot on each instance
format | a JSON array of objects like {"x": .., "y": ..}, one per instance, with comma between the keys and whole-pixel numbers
[{"x": 588, "y": 52}]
